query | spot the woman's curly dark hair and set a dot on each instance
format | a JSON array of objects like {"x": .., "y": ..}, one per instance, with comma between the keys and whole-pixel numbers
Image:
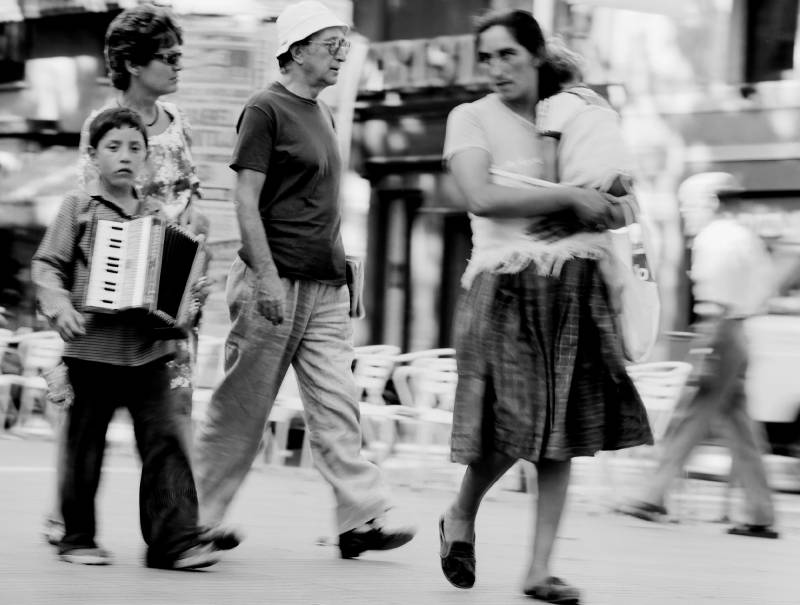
[{"x": 135, "y": 35}]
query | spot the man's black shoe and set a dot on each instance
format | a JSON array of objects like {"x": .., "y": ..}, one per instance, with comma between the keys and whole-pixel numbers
[
  {"x": 373, "y": 537},
  {"x": 223, "y": 538}
]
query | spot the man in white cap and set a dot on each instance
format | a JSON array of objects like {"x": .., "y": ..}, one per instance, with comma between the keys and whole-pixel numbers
[
  {"x": 731, "y": 274},
  {"x": 287, "y": 292}
]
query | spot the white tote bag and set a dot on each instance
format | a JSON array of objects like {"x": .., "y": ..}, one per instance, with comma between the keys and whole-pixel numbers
[
  {"x": 633, "y": 292},
  {"x": 590, "y": 151}
]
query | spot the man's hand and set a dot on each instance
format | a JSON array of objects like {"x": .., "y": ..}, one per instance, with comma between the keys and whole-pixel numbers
[
  {"x": 70, "y": 324},
  {"x": 589, "y": 206},
  {"x": 270, "y": 297}
]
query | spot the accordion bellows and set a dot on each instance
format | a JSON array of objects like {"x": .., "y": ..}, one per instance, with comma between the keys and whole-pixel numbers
[{"x": 146, "y": 264}]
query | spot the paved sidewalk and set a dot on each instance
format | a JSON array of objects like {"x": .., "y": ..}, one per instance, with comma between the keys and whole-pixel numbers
[{"x": 288, "y": 557}]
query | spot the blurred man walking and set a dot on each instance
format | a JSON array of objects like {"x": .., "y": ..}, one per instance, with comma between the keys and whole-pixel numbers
[{"x": 731, "y": 273}]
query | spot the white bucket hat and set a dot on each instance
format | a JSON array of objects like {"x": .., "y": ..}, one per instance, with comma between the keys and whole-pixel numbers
[{"x": 301, "y": 19}]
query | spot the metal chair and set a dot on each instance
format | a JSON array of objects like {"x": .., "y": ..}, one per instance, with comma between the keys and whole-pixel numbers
[
  {"x": 39, "y": 352},
  {"x": 372, "y": 369},
  {"x": 422, "y": 355},
  {"x": 286, "y": 410},
  {"x": 423, "y": 420},
  {"x": 7, "y": 381},
  {"x": 660, "y": 385}
]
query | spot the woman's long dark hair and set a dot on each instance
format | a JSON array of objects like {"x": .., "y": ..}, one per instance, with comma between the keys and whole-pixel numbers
[{"x": 526, "y": 31}]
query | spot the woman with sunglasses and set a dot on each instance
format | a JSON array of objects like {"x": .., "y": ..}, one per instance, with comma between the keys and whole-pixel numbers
[{"x": 143, "y": 58}]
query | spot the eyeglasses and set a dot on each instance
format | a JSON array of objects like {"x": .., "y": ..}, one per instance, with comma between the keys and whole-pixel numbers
[
  {"x": 335, "y": 46},
  {"x": 172, "y": 59}
]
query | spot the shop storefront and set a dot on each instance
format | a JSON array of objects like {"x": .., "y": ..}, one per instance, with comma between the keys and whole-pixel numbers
[
  {"x": 52, "y": 74},
  {"x": 711, "y": 86},
  {"x": 418, "y": 237}
]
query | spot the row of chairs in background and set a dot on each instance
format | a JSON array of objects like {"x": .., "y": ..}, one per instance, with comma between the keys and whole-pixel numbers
[
  {"x": 286, "y": 414},
  {"x": 27, "y": 356},
  {"x": 417, "y": 424},
  {"x": 406, "y": 398},
  {"x": 660, "y": 385},
  {"x": 421, "y": 385}
]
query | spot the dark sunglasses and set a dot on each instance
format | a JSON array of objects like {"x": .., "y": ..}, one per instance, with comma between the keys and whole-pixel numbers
[{"x": 171, "y": 59}]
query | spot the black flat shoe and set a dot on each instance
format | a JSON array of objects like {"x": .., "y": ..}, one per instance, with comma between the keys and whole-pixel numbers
[
  {"x": 754, "y": 531},
  {"x": 458, "y": 559},
  {"x": 352, "y": 543},
  {"x": 222, "y": 538},
  {"x": 643, "y": 510},
  {"x": 555, "y": 590}
]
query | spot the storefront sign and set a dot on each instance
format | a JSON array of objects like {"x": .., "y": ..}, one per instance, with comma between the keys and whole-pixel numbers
[
  {"x": 424, "y": 63},
  {"x": 10, "y": 11},
  {"x": 224, "y": 63},
  {"x": 41, "y": 8}
]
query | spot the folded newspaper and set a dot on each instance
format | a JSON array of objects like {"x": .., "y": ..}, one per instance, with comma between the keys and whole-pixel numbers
[
  {"x": 355, "y": 285},
  {"x": 514, "y": 179}
]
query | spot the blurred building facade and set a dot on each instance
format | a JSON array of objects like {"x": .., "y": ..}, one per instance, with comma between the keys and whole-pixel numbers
[
  {"x": 52, "y": 75},
  {"x": 701, "y": 85}
]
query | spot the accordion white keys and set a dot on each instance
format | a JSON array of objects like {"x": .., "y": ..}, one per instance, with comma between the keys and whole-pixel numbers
[{"x": 144, "y": 263}]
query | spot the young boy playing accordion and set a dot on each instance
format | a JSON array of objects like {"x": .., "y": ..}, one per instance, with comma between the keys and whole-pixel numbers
[{"x": 115, "y": 359}]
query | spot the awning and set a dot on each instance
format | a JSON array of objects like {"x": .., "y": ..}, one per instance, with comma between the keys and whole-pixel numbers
[
  {"x": 671, "y": 8},
  {"x": 32, "y": 9},
  {"x": 10, "y": 11},
  {"x": 17, "y": 10},
  {"x": 216, "y": 7}
]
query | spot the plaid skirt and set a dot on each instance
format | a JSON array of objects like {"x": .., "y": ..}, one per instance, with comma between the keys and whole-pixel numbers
[{"x": 541, "y": 370}]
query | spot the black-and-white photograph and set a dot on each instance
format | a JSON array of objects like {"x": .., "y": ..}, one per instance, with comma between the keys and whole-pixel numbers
[{"x": 390, "y": 302}]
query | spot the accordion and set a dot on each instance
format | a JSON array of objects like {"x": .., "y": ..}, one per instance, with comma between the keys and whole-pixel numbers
[{"x": 146, "y": 264}]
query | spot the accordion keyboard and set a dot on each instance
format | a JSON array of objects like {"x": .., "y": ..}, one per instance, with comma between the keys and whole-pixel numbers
[
  {"x": 118, "y": 265},
  {"x": 106, "y": 276}
]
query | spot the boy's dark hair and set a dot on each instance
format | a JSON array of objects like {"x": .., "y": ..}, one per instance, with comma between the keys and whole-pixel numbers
[
  {"x": 524, "y": 28},
  {"x": 135, "y": 35},
  {"x": 115, "y": 117}
]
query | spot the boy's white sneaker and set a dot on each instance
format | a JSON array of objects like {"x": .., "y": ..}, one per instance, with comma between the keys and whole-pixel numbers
[{"x": 86, "y": 556}]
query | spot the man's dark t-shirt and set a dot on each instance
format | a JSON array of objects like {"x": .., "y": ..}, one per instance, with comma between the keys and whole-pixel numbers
[{"x": 291, "y": 140}]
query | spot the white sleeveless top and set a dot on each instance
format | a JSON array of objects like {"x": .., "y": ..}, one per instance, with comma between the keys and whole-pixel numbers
[{"x": 513, "y": 145}]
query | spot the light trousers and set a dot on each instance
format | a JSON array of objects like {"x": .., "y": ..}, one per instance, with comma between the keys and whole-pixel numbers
[
  {"x": 720, "y": 397},
  {"x": 316, "y": 339}
]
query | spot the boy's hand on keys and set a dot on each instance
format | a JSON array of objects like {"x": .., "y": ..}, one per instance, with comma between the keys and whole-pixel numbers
[
  {"x": 200, "y": 291},
  {"x": 70, "y": 324}
]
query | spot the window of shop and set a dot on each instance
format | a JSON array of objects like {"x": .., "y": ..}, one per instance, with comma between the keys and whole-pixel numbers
[
  {"x": 54, "y": 36},
  {"x": 770, "y": 32},
  {"x": 13, "y": 52}
]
